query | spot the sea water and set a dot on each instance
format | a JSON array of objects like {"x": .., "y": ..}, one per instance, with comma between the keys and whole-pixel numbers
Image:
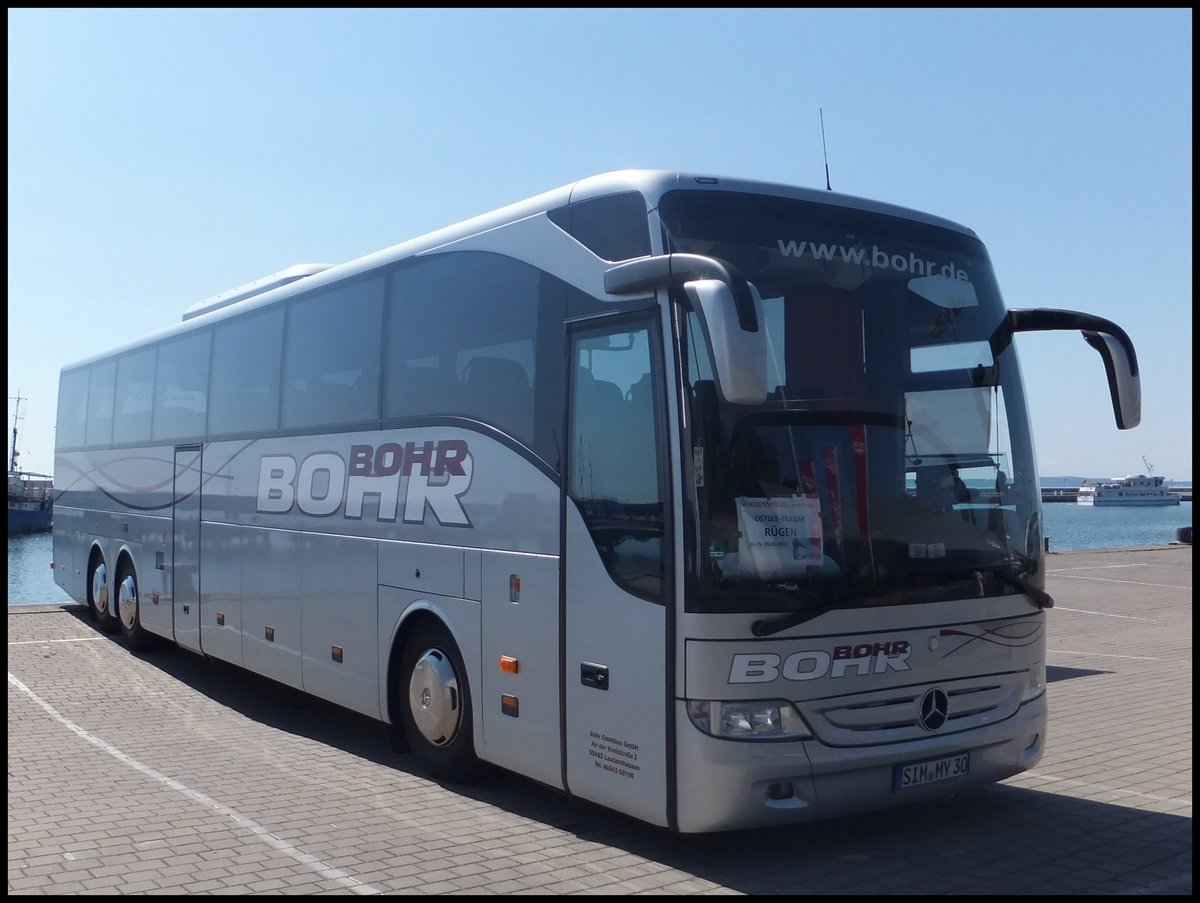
[
  {"x": 30, "y": 577},
  {"x": 1072, "y": 526}
]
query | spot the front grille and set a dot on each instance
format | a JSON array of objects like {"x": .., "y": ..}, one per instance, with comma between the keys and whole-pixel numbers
[{"x": 889, "y": 716}]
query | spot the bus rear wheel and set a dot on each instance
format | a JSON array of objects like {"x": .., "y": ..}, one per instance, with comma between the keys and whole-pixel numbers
[
  {"x": 128, "y": 610},
  {"x": 98, "y": 595},
  {"x": 436, "y": 704}
]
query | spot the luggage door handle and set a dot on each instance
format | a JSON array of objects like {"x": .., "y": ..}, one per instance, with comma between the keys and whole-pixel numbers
[{"x": 591, "y": 675}]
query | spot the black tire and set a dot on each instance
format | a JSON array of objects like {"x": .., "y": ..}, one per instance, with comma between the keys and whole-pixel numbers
[
  {"x": 99, "y": 596},
  {"x": 128, "y": 607},
  {"x": 435, "y": 704}
]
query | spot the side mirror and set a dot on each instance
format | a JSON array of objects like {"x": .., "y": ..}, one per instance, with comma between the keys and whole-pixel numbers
[
  {"x": 739, "y": 356},
  {"x": 1109, "y": 340},
  {"x": 729, "y": 308},
  {"x": 1124, "y": 383}
]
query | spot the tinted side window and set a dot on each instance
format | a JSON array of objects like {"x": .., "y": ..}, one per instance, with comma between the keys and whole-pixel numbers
[
  {"x": 612, "y": 228},
  {"x": 331, "y": 362},
  {"x": 181, "y": 389},
  {"x": 72, "y": 409},
  {"x": 478, "y": 335},
  {"x": 134, "y": 396},
  {"x": 245, "y": 374},
  {"x": 615, "y": 472},
  {"x": 100, "y": 404}
]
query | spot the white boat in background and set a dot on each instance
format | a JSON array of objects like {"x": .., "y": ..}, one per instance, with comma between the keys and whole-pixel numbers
[{"x": 1129, "y": 491}]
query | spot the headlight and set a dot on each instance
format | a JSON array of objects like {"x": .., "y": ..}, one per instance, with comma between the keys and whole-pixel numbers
[
  {"x": 772, "y": 719},
  {"x": 1035, "y": 684}
]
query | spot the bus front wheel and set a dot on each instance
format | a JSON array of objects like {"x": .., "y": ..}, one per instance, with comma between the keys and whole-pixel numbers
[{"x": 436, "y": 704}]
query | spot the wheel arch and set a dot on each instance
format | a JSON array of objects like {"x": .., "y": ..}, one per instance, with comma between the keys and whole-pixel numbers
[
  {"x": 415, "y": 614},
  {"x": 449, "y": 613},
  {"x": 96, "y": 550},
  {"x": 125, "y": 556}
]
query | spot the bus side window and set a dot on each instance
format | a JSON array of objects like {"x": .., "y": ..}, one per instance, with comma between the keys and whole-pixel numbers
[
  {"x": 99, "y": 406},
  {"x": 417, "y": 390},
  {"x": 181, "y": 388},
  {"x": 331, "y": 355},
  {"x": 72, "y": 408},
  {"x": 493, "y": 325},
  {"x": 244, "y": 390},
  {"x": 134, "y": 406},
  {"x": 498, "y": 391}
]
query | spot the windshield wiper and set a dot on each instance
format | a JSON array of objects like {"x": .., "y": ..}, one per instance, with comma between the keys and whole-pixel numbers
[
  {"x": 1041, "y": 598},
  {"x": 769, "y": 626}
]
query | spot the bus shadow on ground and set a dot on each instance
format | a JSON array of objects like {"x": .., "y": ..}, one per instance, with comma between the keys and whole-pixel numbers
[
  {"x": 996, "y": 840},
  {"x": 1059, "y": 672}
]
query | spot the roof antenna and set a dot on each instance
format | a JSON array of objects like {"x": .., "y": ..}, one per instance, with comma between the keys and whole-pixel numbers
[{"x": 828, "y": 187}]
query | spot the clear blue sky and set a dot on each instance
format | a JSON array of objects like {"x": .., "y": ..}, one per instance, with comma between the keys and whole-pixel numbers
[{"x": 156, "y": 157}]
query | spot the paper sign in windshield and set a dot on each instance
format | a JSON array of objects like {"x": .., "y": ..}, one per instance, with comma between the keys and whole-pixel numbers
[{"x": 780, "y": 537}]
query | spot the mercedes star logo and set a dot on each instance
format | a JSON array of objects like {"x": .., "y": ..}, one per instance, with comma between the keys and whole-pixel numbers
[{"x": 935, "y": 709}]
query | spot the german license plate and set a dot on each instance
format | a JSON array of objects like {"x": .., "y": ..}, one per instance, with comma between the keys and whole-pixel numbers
[{"x": 920, "y": 773}]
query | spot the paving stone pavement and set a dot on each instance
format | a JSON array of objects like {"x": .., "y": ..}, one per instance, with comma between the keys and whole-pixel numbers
[{"x": 163, "y": 773}]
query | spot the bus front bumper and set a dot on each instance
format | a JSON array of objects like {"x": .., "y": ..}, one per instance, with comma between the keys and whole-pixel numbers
[{"x": 724, "y": 785}]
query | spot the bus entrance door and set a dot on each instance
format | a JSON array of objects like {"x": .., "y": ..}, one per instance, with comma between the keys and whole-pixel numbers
[
  {"x": 185, "y": 546},
  {"x": 617, "y": 557}
]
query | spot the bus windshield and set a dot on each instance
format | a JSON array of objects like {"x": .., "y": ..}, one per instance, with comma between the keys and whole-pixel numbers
[{"x": 891, "y": 461}]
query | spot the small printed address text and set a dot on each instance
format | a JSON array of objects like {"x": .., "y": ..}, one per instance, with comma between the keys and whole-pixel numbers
[{"x": 616, "y": 756}]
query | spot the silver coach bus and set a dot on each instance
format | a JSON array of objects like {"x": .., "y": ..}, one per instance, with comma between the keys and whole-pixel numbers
[{"x": 710, "y": 501}]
